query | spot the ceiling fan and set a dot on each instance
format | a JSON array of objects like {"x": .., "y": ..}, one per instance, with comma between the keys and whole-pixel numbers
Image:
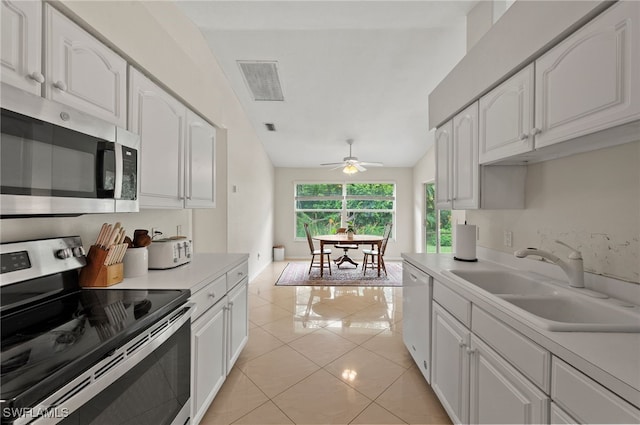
[{"x": 351, "y": 164}]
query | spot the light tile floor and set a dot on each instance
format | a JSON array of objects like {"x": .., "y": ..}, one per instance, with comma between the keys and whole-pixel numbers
[{"x": 329, "y": 355}]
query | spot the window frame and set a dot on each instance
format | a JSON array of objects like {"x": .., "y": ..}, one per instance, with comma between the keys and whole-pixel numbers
[
  {"x": 344, "y": 198},
  {"x": 438, "y": 230}
]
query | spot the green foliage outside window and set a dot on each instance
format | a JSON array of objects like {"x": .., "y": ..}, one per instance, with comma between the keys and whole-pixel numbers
[
  {"x": 437, "y": 221},
  {"x": 368, "y": 206}
]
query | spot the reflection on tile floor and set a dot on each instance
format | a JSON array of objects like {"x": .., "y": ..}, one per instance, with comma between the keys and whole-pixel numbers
[{"x": 329, "y": 355}]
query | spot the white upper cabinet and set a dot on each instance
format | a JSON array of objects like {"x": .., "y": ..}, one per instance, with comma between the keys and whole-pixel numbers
[
  {"x": 21, "y": 51},
  {"x": 589, "y": 82},
  {"x": 465, "y": 159},
  {"x": 200, "y": 162},
  {"x": 443, "y": 146},
  {"x": 457, "y": 161},
  {"x": 82, "y": 72},
  {"x": 177, "y": 148},
  {"x": 159, "y": 119},
  {"x": 506, "y": 118}
]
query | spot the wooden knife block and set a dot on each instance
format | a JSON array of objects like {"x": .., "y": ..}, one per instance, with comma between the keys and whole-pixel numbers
[{"x": 96, "y": 274}]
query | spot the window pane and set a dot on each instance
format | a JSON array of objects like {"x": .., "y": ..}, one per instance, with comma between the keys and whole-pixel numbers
[
  {"x": 370, "y": 189},
  {"x": 319, "y": 205},
  {"x": 369, "y": 204},
  {"x": 431, "y": 219},
  {"x": 320, "y": 222},
  {"x": 445, "y": 231},
  {"x": 319, "y": 190},
  {"x": 371, "y": 223}
]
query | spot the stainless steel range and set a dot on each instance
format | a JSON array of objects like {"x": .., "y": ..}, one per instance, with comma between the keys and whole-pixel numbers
[{"x": 87, "y": 356}]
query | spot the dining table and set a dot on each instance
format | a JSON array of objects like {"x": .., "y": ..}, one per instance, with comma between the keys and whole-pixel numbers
[{"x": 344, "y": 238}]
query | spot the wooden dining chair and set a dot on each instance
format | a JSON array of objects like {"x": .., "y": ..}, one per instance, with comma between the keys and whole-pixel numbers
[
  {"x": 371, "y": 255},
  {"x": 344, "y": 258},
  {"x": 314, "y": 252}
]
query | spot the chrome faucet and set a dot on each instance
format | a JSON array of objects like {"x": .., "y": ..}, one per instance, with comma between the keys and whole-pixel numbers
[{"x": 573, "y": 267}]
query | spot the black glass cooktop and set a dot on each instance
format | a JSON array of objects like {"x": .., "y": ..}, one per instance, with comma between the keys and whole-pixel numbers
[{"x": 48, "y": 344}]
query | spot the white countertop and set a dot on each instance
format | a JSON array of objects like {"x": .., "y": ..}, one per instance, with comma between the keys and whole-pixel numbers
[
  {"x": 195, "y": 275},
  {"x": 613, "y": 359}
]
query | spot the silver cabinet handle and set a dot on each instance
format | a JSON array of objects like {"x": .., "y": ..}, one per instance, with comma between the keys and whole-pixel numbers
[
  {"x": 535, "y": 131},
  {"x": 524, "y": 136},
  {"x": 60, "y": 85},
  {"x": 212, "y": 294},
  {"x": 230, "y": 304},
  {"x": 37, "y": 77},
  {"x": 471, "y": 351}
]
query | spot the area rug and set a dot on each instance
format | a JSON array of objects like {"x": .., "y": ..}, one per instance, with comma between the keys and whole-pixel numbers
[{"x": 297, "y": 274}]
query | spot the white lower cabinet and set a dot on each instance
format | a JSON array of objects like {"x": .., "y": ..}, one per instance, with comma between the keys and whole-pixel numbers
[
  {"x": 238, "y": 321},
  {"x": 559, "y": 416},
  {"x": 416, "y": 312},
  {"x": 475, "y": 384},
  {"x": 208, "y": 350},
  {"x": 450, "y": 364},
  {"x": 499, "y": 394},
  {"x": 219, "y": 332},
  {"x": 586, "y": 400}
]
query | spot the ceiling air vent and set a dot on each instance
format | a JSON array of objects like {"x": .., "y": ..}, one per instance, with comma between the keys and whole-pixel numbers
[
  {"x": 262, "y": 79},
  {"x": 270, "y": 126}
]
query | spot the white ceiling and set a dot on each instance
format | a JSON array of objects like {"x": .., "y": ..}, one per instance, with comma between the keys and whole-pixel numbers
[{"x": 348, "y": 69}]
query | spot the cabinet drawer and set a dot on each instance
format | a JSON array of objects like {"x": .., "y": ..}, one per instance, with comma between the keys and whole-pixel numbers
[
  {"x": 235, "y": 275},
  {"x": 455, "y": 304},
  {"x": 532, "y": 360},
  {"x": 209, "y": 295},
  {"x": 586, "y": 400}
]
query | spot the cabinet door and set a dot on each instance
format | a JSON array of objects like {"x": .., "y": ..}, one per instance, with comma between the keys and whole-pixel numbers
[
  {"x": 159, "y": 119},
  {"x": 443, "y": 146},
  {"x": 499, "y": 394},
  {"x": 21, "y": 52},
  {"x": 450, "y": 364},
  {"x": 506, "y": 118},
  {"x": 82, "y": 72},
  {"x": 200, "y": 163},
  {"x": 560, "y": 417},
  {"x": 238, "y": 321},
  {"x": 589, "y": 82},
  {"x": 466, "y": 185},
  {"x": 416, "y": 322},
  {"x": 208, "y": 350}
]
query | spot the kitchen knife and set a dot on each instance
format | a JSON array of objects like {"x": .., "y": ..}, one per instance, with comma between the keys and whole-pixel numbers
[{"x": 103, "y": 230}]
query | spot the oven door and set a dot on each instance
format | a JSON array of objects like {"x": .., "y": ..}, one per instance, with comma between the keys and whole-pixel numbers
[{"x": 147, "y": 381}]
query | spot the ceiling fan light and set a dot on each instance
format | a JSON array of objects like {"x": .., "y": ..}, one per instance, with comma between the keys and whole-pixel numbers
[{"x": 350, "y": 169}]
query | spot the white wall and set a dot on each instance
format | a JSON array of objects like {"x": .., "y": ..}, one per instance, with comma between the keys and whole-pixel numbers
[
  {"x": 162, "y": 42},
  {"x": 590, "y": 201},
  {"x": 285, "y": 179},
  {"x": 423, "y": 172}
]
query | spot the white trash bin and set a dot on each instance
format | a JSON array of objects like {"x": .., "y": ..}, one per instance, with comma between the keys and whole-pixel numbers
[{"x": 278, "y": 253}]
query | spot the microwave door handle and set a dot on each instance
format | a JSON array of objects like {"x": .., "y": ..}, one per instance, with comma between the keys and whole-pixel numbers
[{"x": 117, "y": 192}]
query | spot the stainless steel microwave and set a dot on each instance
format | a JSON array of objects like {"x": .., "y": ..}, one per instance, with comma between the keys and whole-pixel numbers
[{"x": 55, "y": 160}]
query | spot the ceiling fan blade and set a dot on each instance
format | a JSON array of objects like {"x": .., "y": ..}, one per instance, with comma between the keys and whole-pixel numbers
[
  {"x": 360, "y": 167},
  {"x": 372, "y": 164},
  {"x": 333, "y": 163}
]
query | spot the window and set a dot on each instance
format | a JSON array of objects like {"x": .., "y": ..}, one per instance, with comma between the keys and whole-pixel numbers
[
  {"x": 437, "y": 222},
  {"x": 325, "y": 206}
]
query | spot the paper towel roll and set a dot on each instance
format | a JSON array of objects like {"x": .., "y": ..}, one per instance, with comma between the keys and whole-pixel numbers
[{"x": 465, "y": 242}]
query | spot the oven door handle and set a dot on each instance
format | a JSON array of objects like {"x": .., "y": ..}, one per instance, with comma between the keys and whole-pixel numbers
[{"x": 97, "y": 378}]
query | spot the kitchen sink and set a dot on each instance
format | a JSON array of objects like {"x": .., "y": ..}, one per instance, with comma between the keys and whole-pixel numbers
[
  {"x": 505, "y": 282},
  {"x": 548, "y": 305},
  {"x": 561, "y": 313}
]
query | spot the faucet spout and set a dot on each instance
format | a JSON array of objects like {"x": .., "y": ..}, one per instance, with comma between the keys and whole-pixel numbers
[{"x": 573, "y": 267}]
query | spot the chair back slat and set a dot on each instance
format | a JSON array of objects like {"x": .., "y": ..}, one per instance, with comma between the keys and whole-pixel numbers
[
  {"x": 306, "y": 230},
  {"x": 387, "y": 233}
]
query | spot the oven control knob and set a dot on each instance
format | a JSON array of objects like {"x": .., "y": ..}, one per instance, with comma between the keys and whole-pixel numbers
[
  {"x": 64, "y": 253},
  {"x": 78, "y": 251}
]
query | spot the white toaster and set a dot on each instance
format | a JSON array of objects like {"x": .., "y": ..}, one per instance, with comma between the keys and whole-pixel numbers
[{"x": 169, "y": 253}]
